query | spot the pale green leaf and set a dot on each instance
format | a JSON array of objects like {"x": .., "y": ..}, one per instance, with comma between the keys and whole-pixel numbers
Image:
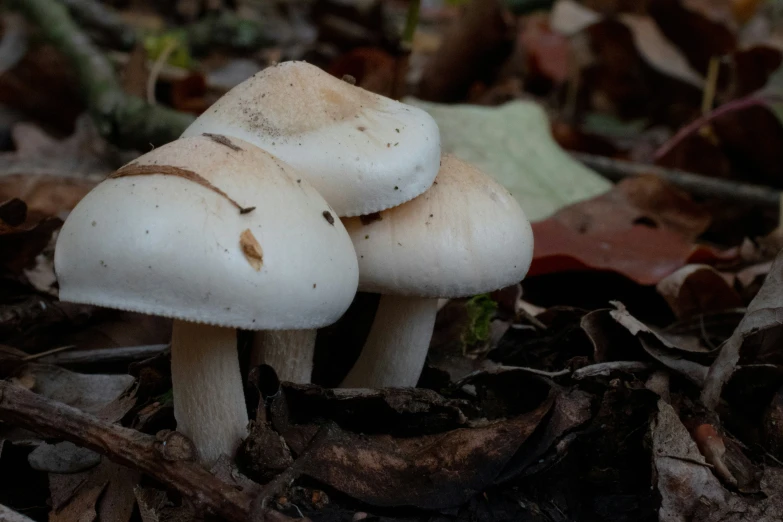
[{"x": 513, "y": 143}]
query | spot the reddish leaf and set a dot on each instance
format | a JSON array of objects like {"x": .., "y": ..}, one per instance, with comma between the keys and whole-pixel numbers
[{"x": 642, "y": 229}]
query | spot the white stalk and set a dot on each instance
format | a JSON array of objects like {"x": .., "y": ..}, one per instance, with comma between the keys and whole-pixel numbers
[
  {"x": 289, "y": 352},
  {"x": 397, "y": 346},
  {"x": 209, "y": 402}
]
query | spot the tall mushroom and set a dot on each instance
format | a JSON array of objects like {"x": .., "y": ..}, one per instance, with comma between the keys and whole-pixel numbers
[
  {"x": 218, "y": 235},
  {"x": 465, "y": 235},
  {"x": 363, "y": 153}
]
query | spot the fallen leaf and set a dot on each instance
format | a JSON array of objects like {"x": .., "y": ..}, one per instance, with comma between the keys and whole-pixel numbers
[
  {"x": 756, "y": 339},
  {"x": 91, "y": 393},
  {"x": 21, "y": 243},
  {"x": 643, "y": 229},
  {"x": 83, "y": 154},
  {"x": 698, "y": 289},
  {"x": 46, "y": 194},
  {"x": 114, "y": 505},
  {"x": 81, "y": 508},
  {"x": 659, "y": 52},
  {"x": 767, "y": 507},
  {"x": 513, "y": 143},
  {"x": 63, "y": 457},
  {"x": 431, "y": 471},
  {"x": 683, "y": 478},
  {"x": 667, "y": 349}
]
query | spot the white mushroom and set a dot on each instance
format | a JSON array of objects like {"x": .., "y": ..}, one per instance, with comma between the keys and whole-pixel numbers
[
  {"x": 363, "y": 152},
  {"x": 465, "y": 235},
  {"x": 218, "y": 235}
]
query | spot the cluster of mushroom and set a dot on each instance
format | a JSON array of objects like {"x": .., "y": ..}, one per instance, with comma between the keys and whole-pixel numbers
[{"x": 236, "y": 225}]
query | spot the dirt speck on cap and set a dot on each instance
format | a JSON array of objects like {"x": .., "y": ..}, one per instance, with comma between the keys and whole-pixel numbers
[
  {"x": 223, "y": 140},
  {"x": 252, "y": 249},
  {"x": 328, "y": 217}
]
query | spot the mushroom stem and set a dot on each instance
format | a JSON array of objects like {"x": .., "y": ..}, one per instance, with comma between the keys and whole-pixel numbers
[
  {"x": 209, "y": 402},
  {"x": 289, "y": 352},
  {"x": 397, "y": 346}
]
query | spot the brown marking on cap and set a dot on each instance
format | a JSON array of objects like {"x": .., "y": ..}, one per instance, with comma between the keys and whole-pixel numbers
[
  {"x": 169, "y": 170},
  {"x": 223, "y": 140},
  {"x": 328, "y": 217},
  {"x": 366, "y": 219},
  {"x": 252, "y": 249}
]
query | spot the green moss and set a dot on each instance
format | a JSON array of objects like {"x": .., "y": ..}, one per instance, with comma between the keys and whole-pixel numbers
[{"x": 481, "y": 309}]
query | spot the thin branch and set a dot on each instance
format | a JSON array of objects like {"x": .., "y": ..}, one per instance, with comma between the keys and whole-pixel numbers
[
  {"x": 104, "y": 19},
  {"x": 124, "y": 354},
  {"x": 130, "y": 448},
  {"x": 122, "y": 119},
  {"x": 696, "y": 184},
  {"x": 695, "y": 125},
  {"x": 605, "y": 368},
  {"x": 411, "y": 21}
]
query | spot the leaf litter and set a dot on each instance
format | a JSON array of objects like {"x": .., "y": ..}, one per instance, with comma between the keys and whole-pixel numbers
[{"x": 633, "y": 375}]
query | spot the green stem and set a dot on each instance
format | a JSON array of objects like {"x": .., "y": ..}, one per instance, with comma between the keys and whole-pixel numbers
[
  {"x": 411, "y": 21},
  {"x": 125, "y": 120}
]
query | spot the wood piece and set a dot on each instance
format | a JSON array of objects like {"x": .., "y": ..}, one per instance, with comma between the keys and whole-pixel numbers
[
  {"x": 696, "y": 184},
  {"x": 131, "y": 448}
]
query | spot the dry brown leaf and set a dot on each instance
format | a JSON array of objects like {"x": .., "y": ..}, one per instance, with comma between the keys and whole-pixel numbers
[
  {"x": 643, "y": 229},
  {"x": 117, "y": 482},
  {"x": 81, "y": 507},
  {"x": 83, "y": 154},
  {"x": 63, "y": 457},
  {"x": 658, "y": 51},
  {"x": 91, "y": 393},
  {"x": 756, "y": 338},
  {"x": 683, "y": 478},
  {"x": 698, "y": 289}
]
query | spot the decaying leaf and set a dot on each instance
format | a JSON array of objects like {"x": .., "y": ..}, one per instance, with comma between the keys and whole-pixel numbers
[
  {"x": 757, "y": 338},
  {"x": 91, "y": 393},
  {"x": 70, "y": 492},
  {"x": 63, "y": 457},
  {"x": 537, "y": 172},
  {"x": 698, "y": 289},
  {"x": 683, "y": 478},
  {"x": 432, "y": 471},
  {"x": 643, "y": 229}
]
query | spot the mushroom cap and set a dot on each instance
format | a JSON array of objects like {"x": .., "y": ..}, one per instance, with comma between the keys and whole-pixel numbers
[
  {"x": 164, "y": 235},
  {"x": 363, "y": 152},
  {"x": 465, "y": 235}
]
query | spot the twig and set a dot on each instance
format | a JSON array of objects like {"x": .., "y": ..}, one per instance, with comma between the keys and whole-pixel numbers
[
  {"x": 687, "y": 459},
  {"x": 98, "y": 16},
  {"x": 157, "y": 67},
  {"x": 9, "y": 515},
  {"x": 122, "y": 119},
  {"x": 128, "y": 447},
  {"x": 606, "y": 367},
  {"x": 694, "y": 126},
  {"x": 47, "y": 353},
  {"x": 106, "y": 355},
  {"x": 696, "y": 184},
  {"x": 411, "y": 21}
]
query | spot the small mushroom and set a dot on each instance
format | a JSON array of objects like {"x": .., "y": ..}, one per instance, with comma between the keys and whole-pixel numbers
[
  {"x": 465, "y": 235},
  {"x": 170, "y": 239},
  {"x": 337, "y": 135}
]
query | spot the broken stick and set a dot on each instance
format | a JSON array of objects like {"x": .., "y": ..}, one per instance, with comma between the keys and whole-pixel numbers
[{"x": 131, "y": 448}]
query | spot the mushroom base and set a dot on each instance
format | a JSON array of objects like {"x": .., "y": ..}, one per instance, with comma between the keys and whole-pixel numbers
[
  {"x": 209, "y": 402},
  {"x": 397, "y": 345},
  {"x": 289, "y": 352}
]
